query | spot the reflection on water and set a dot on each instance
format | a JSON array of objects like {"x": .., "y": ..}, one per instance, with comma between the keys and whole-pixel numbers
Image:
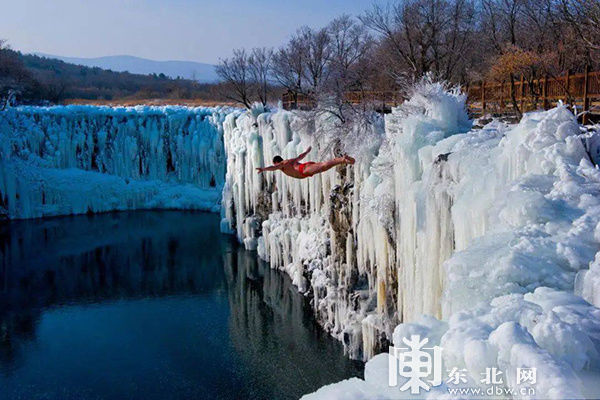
[{"x": 151, "y": 305}]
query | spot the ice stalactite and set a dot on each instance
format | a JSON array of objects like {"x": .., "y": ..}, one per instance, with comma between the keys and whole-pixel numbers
[
  {"x": 483, "y": 229},
  {"x": 77, "y": 159},
  {"x": 302, "y": 226},
  {"x": 352, "y": 238},
  {"x": 424, "y": 230},
  {"x": 510, "y": 216}
]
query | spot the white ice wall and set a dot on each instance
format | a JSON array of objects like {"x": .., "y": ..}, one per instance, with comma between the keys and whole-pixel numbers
[
  {"x": 289, "y": 221},
  {"x": 77, "y": 159},
  {"x": 353, "y": 237},
  {"x": 484, "y": 229}
]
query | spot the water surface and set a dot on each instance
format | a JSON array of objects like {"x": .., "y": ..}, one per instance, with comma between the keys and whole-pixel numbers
[{"x": 152, "y": 305}]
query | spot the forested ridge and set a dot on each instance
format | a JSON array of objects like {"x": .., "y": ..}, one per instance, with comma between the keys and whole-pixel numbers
[{"x": 37, "y": 80}]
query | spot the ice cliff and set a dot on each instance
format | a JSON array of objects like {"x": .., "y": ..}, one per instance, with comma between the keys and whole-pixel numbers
[
  {"x": 485, "y": 240},
  {"x": 78, "y": 159},
  {"x": 480, "y": 239}
]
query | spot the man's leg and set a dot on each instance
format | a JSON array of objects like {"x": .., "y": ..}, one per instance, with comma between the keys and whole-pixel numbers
[{"x": 318, "y": 167}]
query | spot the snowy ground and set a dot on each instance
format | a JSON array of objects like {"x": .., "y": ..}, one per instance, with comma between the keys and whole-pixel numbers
[
  {"x": 78, "y": 159},
  {"x": 480, "y": 240}
]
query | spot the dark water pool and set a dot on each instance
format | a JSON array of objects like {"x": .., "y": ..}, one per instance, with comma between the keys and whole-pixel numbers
[{"x": 152, "y": 305}]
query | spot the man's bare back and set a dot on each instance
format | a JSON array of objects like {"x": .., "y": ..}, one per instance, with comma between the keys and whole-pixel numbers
[{"x": 294, "y": 168}]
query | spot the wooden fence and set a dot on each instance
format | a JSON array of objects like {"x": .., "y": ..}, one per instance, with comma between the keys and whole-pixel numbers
[
  {"x": 383, "y": 100},
  {"x": 579, "y": 90}
]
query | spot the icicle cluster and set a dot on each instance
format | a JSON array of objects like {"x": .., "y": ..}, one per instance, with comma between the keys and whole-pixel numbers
[
  {"x": 338, "y": 234},
  {"x": 483, "y": 229},
  {"x": 77, "y": 159}
]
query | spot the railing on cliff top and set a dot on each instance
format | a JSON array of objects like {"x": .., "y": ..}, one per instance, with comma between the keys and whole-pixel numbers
[
  {"x": 580, "y": 90},
  {"x": 383, "y": 99}
]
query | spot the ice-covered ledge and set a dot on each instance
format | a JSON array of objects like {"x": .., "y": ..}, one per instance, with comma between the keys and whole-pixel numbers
[{"x": 484, "y": 229}]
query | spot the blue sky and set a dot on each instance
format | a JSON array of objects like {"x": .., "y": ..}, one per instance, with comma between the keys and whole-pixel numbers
[{"x": 195, "y": 30}]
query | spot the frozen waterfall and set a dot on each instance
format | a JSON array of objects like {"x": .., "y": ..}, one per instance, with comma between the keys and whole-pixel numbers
[
  {"x": 78, "y": 159},
  {"x": 485, "y": 240},
  {"x": 472, "y": 237}
]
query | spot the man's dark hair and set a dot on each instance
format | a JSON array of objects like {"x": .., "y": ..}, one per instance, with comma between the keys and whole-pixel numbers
[{"x": 277, "y": 159}]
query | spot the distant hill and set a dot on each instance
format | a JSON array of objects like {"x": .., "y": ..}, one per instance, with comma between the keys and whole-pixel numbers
[
  {"x": 204, "y": 73},
  {"x": 38, "y": 80}
]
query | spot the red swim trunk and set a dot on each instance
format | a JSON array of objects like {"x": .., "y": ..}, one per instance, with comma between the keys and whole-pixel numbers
[{"x": 301, "y": 166}]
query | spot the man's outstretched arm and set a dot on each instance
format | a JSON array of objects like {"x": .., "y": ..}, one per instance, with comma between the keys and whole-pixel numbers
[
  {"x": 302, "y": 155},
  {"x": 269, "y": 168}
]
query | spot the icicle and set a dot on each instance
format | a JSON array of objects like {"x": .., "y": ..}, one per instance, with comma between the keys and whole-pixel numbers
[{"x": 93, "y": 159}]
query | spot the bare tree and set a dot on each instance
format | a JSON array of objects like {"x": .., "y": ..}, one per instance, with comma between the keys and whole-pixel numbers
[
  {"x": 504, "y": 24},
  {"x": 317, "y": 54},
  {"x": 583, "y": 17},
  {"x": 349, "y": 44},
  {"x": 235, "y": 72},
  {"x": 525, "y": 42},
  {"x": 14, "y": 76},
  {"x": 455, "y": 40},
  {"x": 501, "y": 22},
  {"x": 288, "y": 66},
  {"x": 424, "y": 35},
  {"x": 259, "y": 64},
  {"x": 302, "y": 65}
]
